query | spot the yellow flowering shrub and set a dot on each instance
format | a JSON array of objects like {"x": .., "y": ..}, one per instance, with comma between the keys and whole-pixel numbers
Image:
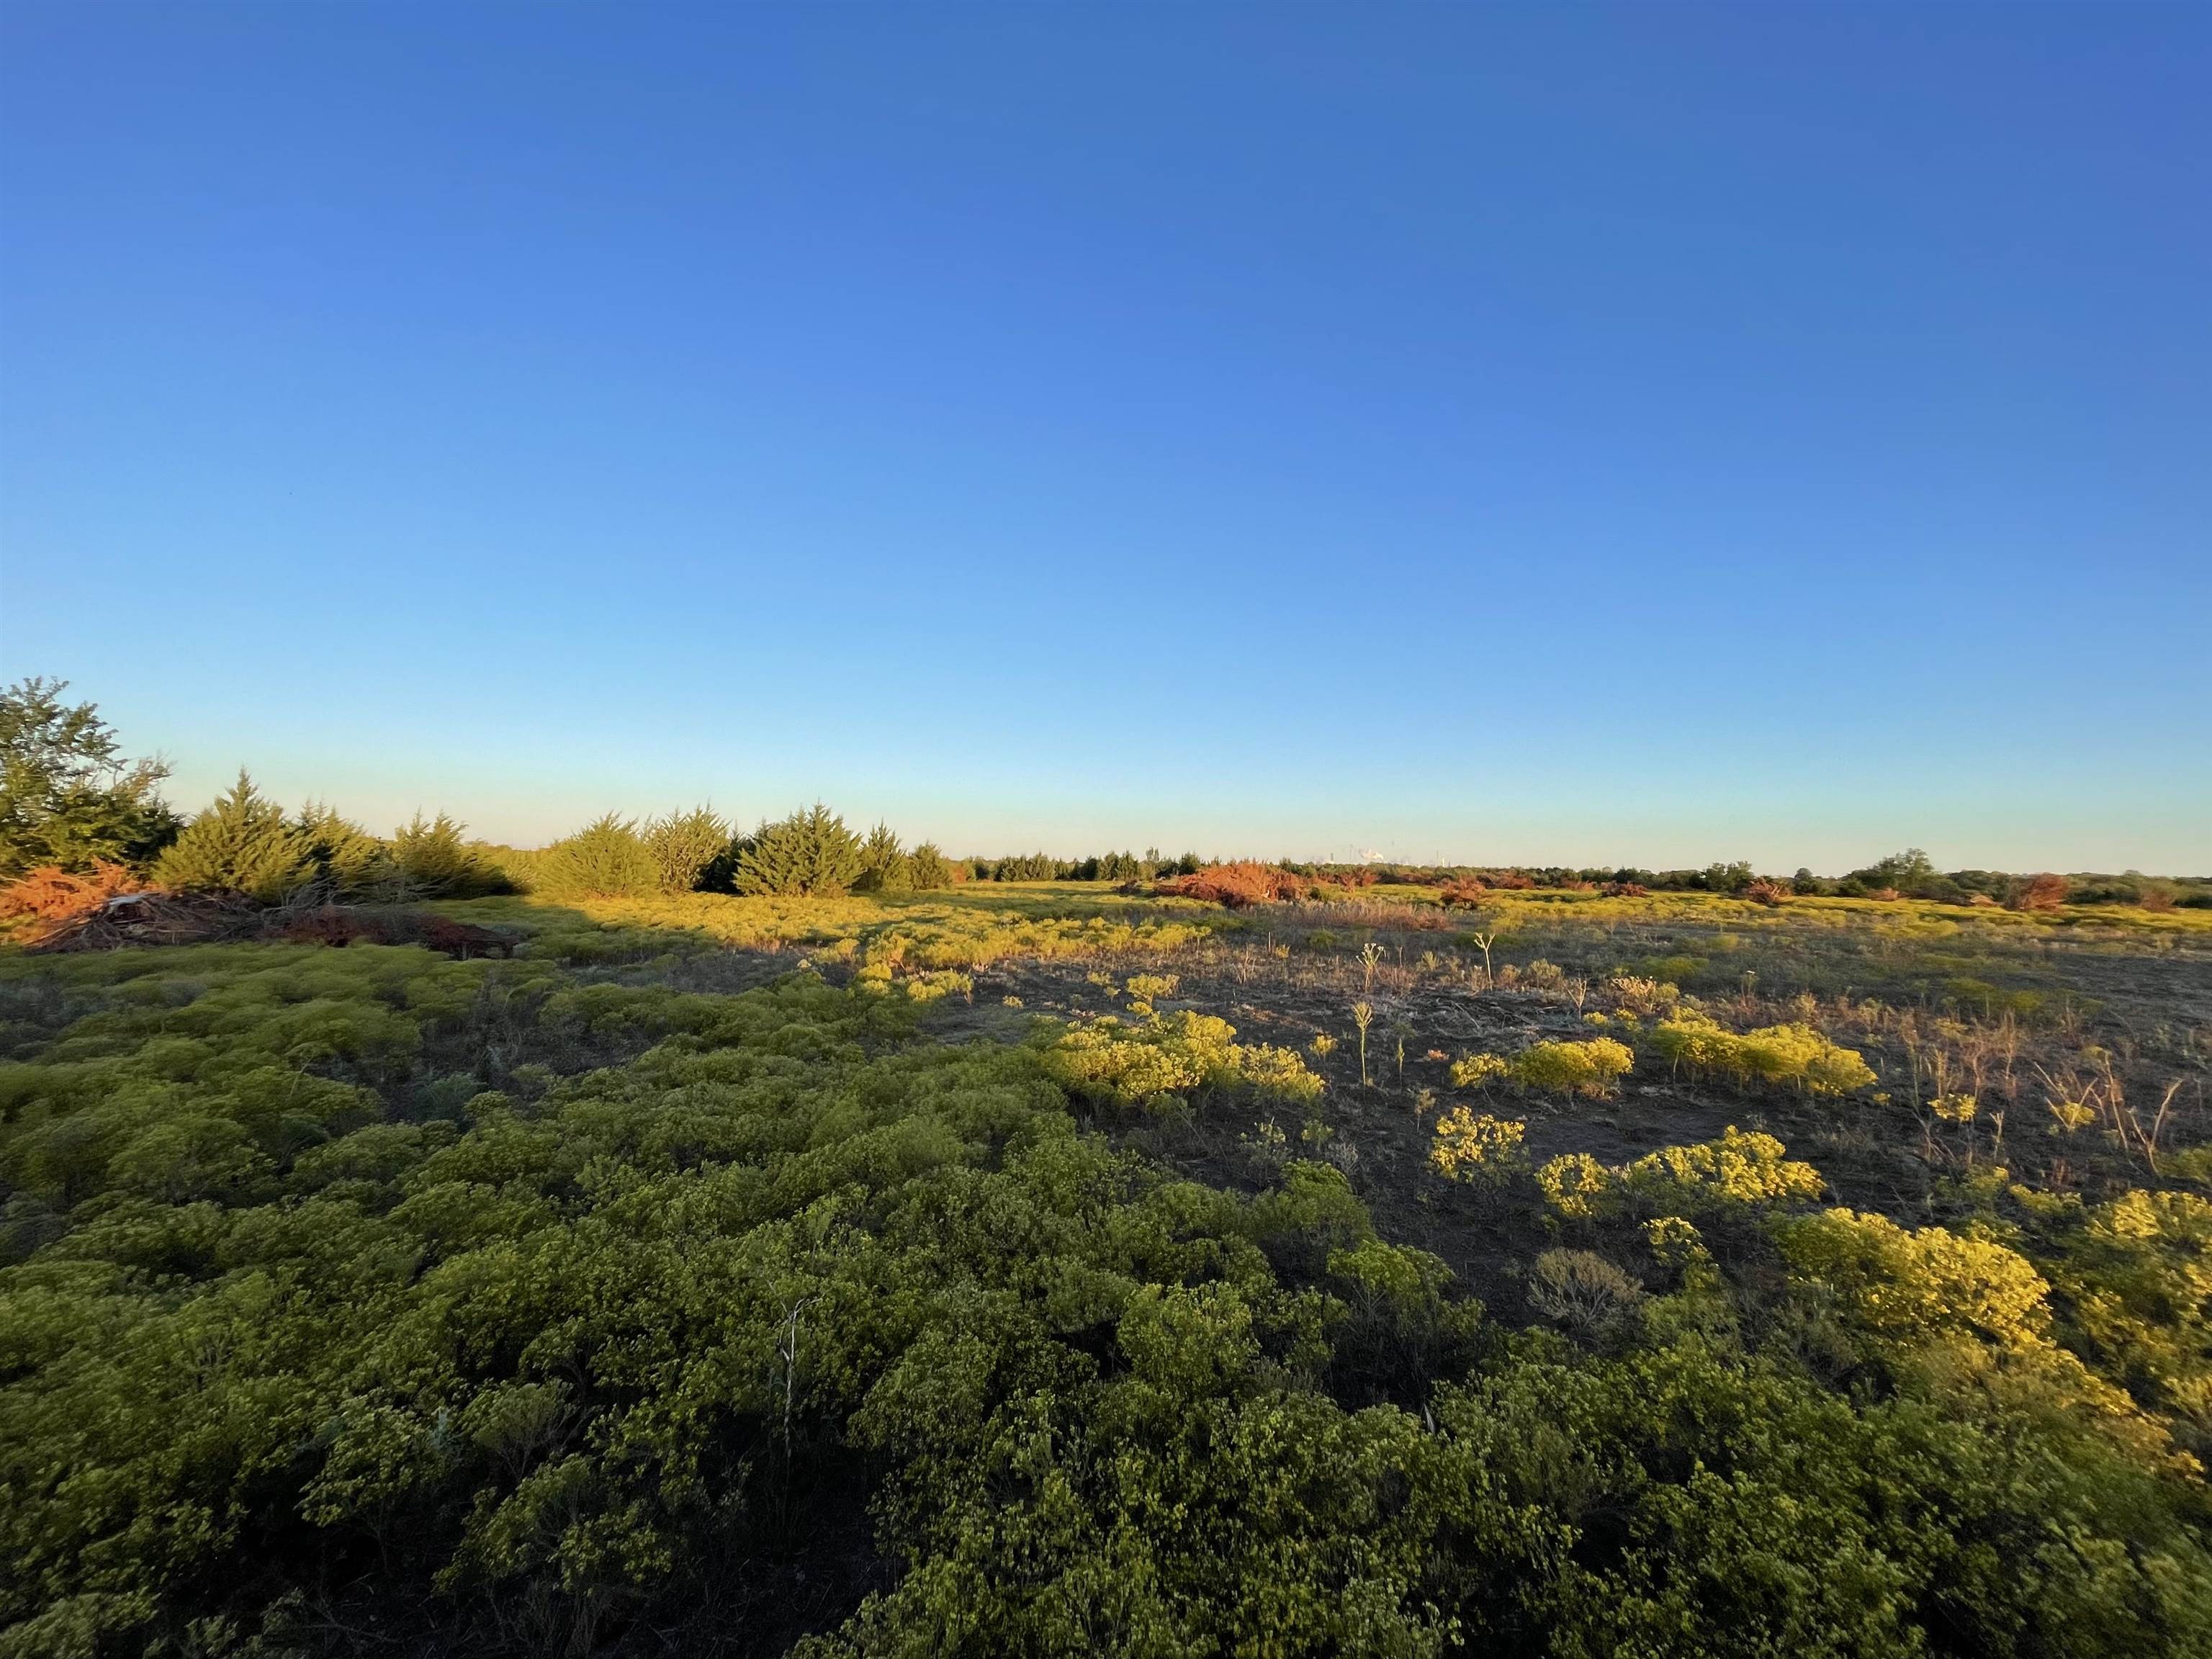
[
  {"x": 1468, "y": 1147},
  {"x": 1790, "y": 1054},
  {"x": 1174, "y": 1054},
  {"x": 1572, "y": 1068}
]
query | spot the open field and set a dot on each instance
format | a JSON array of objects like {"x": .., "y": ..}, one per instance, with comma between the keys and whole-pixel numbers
[
  {"x": 789, "y": 1241},
  {"x": 731, "y": 1271}
]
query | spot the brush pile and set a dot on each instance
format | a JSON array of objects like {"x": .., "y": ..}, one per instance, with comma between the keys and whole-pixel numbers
[
  {"x": 144, "y": 918},
  {"x": 51, "y": 909}
]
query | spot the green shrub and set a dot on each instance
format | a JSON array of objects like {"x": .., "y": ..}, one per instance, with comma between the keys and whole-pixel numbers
[
  {"x": 1574, "y": 1184},
  {"x": 809, "y": 854},
  {"x": 1468, "y": 1147},
  {"x": 2136, "y": 1284},
  {"x": 606, "y": 859},
  {"x": 427, "y": 859},
  {"x": 1792, "y": 1054},
  {"x": 1740, "y": 1170},
  {"x": 348, "y": 860},
  {"x": 1741, "y": 1167},
  {"x": 242, "y": 844},
  {"x": 685, "y": 846},
  {"x": 885, "y": 867},
  {"x": 1572, "y": 1068},
  {"x": 1150, "y": 1061},
  {"x": 929, "y": 869},
  {"x": 1473, "y": 1071},
  {"x": 497, "y": 1307}
]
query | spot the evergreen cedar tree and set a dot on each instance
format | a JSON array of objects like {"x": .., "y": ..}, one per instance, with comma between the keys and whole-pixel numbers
[{"x": 810, "y": 854}]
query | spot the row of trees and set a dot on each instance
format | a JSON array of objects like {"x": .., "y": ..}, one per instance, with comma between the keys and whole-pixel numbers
[
  {"x": 811, "y": 854},
  {"x": 1909, "y": 874},
  {"x": 69, "y": 799},
  {"x": 1148, "y": 865}
]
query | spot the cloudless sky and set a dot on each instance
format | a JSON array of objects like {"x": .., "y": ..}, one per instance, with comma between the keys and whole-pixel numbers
[{"x": 1553, "y": 433}]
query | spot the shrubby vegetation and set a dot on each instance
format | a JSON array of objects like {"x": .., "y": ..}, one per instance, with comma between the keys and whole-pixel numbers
[
  {"x": 513, "y": 1307},
  {"x": 1153, "y": 1060},
  {"x": 364, "y": 1302},
  {"x": 1572, "y": 1068},
  {"x": 686, "y": 849},
  {"x": 1794, "y": 1054},
  {"x": 1738, "y": 1169}
]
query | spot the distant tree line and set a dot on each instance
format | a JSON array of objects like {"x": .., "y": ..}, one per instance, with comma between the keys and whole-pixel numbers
[
  {"x": 70, "y": 800},
  {"x": 1909, "y": 874}
]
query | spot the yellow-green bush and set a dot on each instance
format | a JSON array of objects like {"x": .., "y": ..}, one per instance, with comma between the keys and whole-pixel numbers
[
  {"x": 1473, "y": 1071},
  {"x": 1904, "y": 1286},
  {"x": 1468, "y": 1147},
  {"x": 1572, "y": 1068},
  {"x": 1174, "y": 1054},
  {"x": 1574, "y": 1184},
  {"x": 1740, "y": 1169},
  {"x": 1787, "y": 1054},
  {"x": 527, "y": 1307}
]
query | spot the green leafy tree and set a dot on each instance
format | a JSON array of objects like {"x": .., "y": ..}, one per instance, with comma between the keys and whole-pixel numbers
[
  {"x": 1910, "y": 873},
  {"x": 811, "y": 852},
  {"x": 242, "y": 844},
  {"x": 685, "y": 847},
  {"x": 1726, "y": 878},
  {"x": 67, "y": 796},
  {"x": 885, "y": 867}
]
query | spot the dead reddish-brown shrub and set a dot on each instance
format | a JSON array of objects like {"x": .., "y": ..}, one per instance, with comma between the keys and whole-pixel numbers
[
  {"x": 1510, "y": 880},
  {"x": 328, "y": 926},
  {"x": 2156, "y": 898},
  {"x": 48, "y": 897},
  {"x": 1464, "y": 895},
  {"x": 340, "y": 926},
  {"x": 1358, "y": 875},
  {"x": 1765, "y": 892},
  {"x": 1235, "y": 887},
  {"x": 1625, "y": 890},
  {"x": 461, "y": 939},
  {"x": 1887, "y": 895},
  {"x": 2043, "y": 892}
]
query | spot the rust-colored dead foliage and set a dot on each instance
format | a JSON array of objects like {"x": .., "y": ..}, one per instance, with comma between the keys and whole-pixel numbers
[
  {"x": 1358, "y": 875},
  {"x": 46, "y": 900},
  {"x": 1235, "y": 887},
  {"x": 2044, "y": 892},
  {"x": 341, "y": 925},
  {"x": 1464, "y": 895},
  {"x": 1765, "y": 892}
]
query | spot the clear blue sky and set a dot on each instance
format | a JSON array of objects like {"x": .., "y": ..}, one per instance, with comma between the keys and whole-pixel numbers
[{"x": 1647, "y": 435}]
